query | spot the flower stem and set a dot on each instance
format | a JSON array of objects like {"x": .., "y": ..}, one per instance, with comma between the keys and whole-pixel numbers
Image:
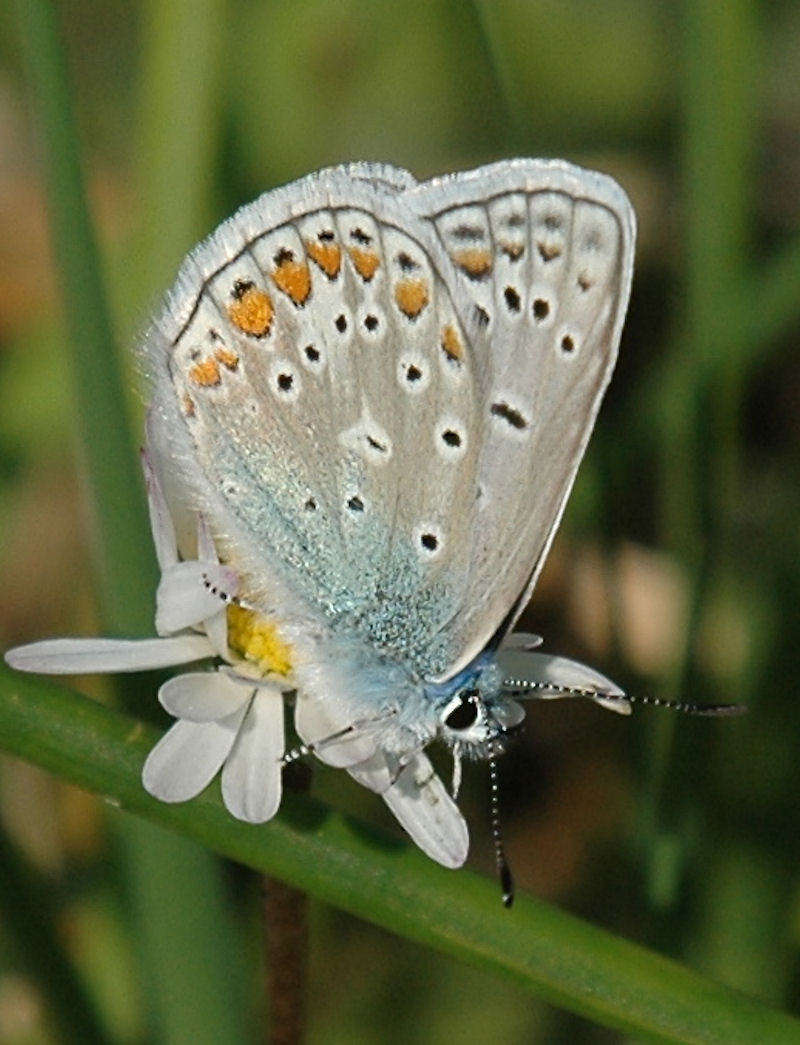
[{"x": 286, "y": 943}]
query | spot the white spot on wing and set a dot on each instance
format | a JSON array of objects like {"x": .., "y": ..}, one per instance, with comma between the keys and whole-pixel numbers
[{"x": 368, "y": 439}]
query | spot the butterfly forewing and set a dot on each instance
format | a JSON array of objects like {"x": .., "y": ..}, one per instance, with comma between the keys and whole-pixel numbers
[{"x": 323, "y": 381}]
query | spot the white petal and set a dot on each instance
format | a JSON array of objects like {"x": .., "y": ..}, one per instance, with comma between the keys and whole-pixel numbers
[
  {"x": 91, "y": 656},
  {"x": 251, "y": 777},
  {"x": 422, "y": 805},
  {"x": 216, "y": 628},
  {"x": 335, "y": 740},
  {"x": 375, "y": 773},
  {"x": 507, "y": 713},
  {"x": 185, "y": 596},
  {"x": 188, "y": 757},
  {"x": 521, "y": 640},
  {"x": 203, "y": 696},
  {"x": 618, "y": 702},
  {"x": 206, "y": 549},
  {"x": 562, "y": 672},
  {"x": 163, "y": 531}
]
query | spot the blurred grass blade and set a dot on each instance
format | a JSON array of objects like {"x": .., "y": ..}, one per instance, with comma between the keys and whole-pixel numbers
[
  {"x": 192, "y": 969},
  {"x": 30, "y": 917},
  {"x": 185, "y": 934},
  {"x": 699, "y": 431},
  {"x": 771, "y": 305},
  {"x": 696, "y": 394},
  {"x": 124, "y": 563},
  {"x": 178, "y": 121},
  {"x": 718, "y": 156},
  {"x": 565, "y": 961},
  {"x": 490, "y": 19}
]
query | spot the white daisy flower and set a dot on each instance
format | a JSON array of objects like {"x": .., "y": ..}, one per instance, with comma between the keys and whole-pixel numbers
[{"x": 230, "y": 719}]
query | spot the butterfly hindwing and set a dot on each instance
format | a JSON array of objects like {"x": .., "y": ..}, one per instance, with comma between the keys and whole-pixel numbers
[{"x": 544, "y": 253}]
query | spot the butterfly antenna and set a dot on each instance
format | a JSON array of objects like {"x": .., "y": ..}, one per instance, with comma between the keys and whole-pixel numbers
[
  {"x": 520, "y": 687},
  {"x": 503, "y": 869},
  {"x": 687, "y": 707}
]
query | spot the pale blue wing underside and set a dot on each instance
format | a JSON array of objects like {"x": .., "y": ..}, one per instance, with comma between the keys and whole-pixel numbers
[
  {"x": 545, "y": 250},
  {"x": 388, "y": 436}
]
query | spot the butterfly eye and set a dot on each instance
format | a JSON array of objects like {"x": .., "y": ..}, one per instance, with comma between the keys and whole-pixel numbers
[{"x": 463, "y": 713}]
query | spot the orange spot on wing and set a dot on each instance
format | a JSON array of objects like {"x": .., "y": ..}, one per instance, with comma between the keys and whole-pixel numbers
[
  {"x": 327, "y": 255},
  {"x": 366, "y": 262},
  {"x": 475, "y": 261},
  {"x": 513, "y": 250},
  {"x": 294, "y": 279},
  {"x": 251, "y": 311},
  {"x": 205, "y": 373},
  {"x": 548, "y": 251},
  {"x": 451, "y": 343},
  {"x": 188, "y": 405},
  {"x": 411, "y": 296},
  {"x": 228, "y": 359}
]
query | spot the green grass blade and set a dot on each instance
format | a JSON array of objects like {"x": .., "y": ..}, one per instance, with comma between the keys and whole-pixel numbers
[
  {"x": 769, "y": 305},
  {"x": 29, "y": 915},
  {"x": 563, "y": 960},
  {"x": 179, "y": 119},
  {"x": 185, "y": 955},
  {"x": 124, "y": 561}
]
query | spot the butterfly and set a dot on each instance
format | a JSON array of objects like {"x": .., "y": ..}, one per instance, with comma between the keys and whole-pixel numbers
[
  {"x": 379, "y": 391},
  {"x": 369, "y": 397}
]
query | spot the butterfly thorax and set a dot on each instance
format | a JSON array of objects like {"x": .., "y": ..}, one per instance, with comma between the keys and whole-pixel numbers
[{"x": 377, "y": 695}]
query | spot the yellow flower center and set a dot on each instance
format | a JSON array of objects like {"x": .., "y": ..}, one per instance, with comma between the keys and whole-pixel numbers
[{"x": 256, "y": 638}]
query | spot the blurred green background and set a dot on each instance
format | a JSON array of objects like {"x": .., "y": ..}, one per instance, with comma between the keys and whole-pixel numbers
[{"x": 677, "y": 570}]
